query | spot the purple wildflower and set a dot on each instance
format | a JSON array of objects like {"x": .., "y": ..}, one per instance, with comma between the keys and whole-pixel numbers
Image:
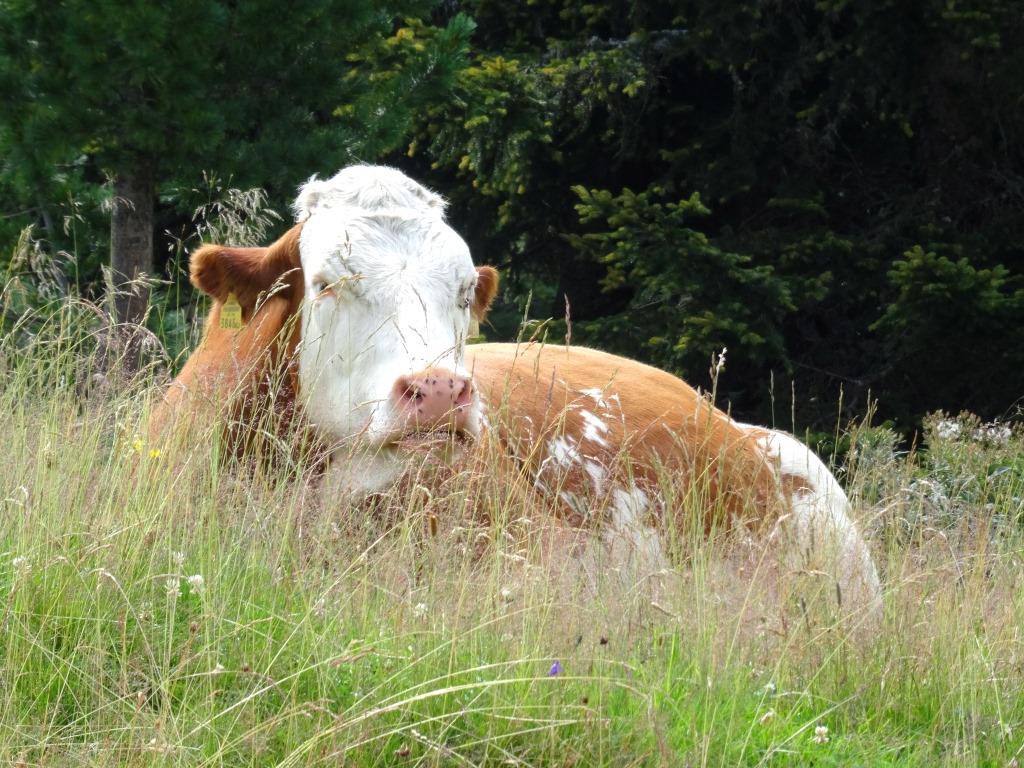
[{"x": 555, "y": 669}]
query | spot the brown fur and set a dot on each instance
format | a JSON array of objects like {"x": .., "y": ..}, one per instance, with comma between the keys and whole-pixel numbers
[
  {"x": 232, "y": 370},
  {"x": 250, "y": 272},
  {"x": 486, "y": 290},
  {"x": 655, "y": 422}
]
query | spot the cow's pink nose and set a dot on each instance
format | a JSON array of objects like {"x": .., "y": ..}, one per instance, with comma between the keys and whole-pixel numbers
[{"x": 435, "y": 399}]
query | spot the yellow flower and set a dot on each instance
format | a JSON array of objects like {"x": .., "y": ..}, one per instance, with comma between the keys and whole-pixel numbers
[{"x": 154, "y": 453}]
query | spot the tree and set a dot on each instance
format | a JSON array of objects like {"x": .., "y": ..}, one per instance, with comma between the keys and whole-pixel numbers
[
  {"x": 158, "y": 91},
  {"x": 765, "y": 176}
]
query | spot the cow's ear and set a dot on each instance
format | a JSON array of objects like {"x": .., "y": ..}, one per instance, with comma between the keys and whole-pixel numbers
[
  {"x": 218, "y": 270},
  {"x": 486, "y": 290}
]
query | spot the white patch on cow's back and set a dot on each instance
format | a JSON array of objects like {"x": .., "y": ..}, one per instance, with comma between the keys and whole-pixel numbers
[
  {"x": 562, "y": 456},
  {"x": 597, "y": 473},
  {"x": 818, "y": 533},
  {"x": 594, "y": 428},
  {"x": 598, "y": 396},
  {"x": 563, "y": 452}
]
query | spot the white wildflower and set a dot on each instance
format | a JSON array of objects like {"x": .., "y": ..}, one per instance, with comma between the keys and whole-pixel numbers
[
  {"x": 22, "y": 566},
  {"x": 160, "y": 747},
  {"x": 821, "y": 734},
  {"x": 947, "y": 429},
  {"x": 994, "y": 433},
  {"x": 720, "y": 362},
  {"x": 195, "y": 583},
  {"x": 419, "y": 610},
  {"x": 173, "y": 587},
  {"x": 178, "y": 558}
]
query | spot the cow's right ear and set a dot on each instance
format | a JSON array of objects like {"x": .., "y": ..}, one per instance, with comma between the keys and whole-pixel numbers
[{"x": 218, "y": 270}]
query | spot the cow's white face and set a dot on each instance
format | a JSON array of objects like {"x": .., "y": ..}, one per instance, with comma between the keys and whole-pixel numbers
[{"x": 389, "y": 289}]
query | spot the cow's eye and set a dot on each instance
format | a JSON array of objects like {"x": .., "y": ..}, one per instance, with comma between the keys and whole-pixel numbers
[{"x": 319, "y": 286}]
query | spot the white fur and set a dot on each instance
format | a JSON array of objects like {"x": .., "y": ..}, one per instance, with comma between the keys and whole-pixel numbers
[
  {"x": 594, "y": 428},
  {"x": 818, "y": 533},
  {"x": 597, "y": 474},
  {"x": 370, "y": 188},
  {"x": 399, "y": 285},
  {"x": 632, "y": 543},
  {"x": 597, "y": 395},
  {"x": 563, "y": 452}
]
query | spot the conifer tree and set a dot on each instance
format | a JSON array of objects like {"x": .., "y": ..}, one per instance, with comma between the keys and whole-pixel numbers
[
  {"x": 821, "y": 187},
  {"x": 152, "y": 92}
]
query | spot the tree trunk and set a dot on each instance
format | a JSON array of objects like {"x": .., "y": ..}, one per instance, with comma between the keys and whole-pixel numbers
[{"x": 131, "y": 240}]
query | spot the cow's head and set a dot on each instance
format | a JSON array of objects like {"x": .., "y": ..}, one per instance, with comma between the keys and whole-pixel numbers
[{"x": 386, "y": 293}]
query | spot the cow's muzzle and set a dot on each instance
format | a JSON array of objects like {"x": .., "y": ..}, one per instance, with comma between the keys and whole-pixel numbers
[{"x": 435, "y": 400}]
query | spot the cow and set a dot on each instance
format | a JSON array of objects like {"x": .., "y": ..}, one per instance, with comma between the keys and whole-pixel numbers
[
  {"x": 354, "y": 324},
  {"x": 634, "y": 449}
]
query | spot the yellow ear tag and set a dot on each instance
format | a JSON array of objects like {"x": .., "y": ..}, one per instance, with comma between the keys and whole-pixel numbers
[{"x": 231, "y": 314}]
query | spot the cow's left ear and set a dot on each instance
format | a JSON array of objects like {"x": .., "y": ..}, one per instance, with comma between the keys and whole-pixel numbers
[
  {"x": 486, "y": 290},
  {"x": 218, "y": 270}
]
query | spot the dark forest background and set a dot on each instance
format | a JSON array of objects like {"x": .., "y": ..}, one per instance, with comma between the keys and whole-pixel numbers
[{"x": 833, "y": 190}]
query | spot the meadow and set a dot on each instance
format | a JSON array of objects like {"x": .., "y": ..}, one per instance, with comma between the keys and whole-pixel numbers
[{"x": 197, "y": 610}]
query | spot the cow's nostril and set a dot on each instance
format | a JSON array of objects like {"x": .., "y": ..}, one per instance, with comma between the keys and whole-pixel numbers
[{"x": 408, "y": 391}]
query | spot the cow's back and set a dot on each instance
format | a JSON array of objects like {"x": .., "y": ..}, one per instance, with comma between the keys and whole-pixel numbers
[{"x": 585, "y": 422}]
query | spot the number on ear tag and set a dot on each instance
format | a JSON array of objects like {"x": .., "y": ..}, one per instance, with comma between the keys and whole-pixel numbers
[{"x": 231, "y": 314}]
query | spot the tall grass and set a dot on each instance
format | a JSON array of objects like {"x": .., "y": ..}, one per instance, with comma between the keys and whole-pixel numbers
[{"x": 201, "y": 611}]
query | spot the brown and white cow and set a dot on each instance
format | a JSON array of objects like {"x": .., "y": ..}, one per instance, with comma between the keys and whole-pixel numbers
[
  {"x": 359, "y": 317},
  {"x": 633, "y": 450}
]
